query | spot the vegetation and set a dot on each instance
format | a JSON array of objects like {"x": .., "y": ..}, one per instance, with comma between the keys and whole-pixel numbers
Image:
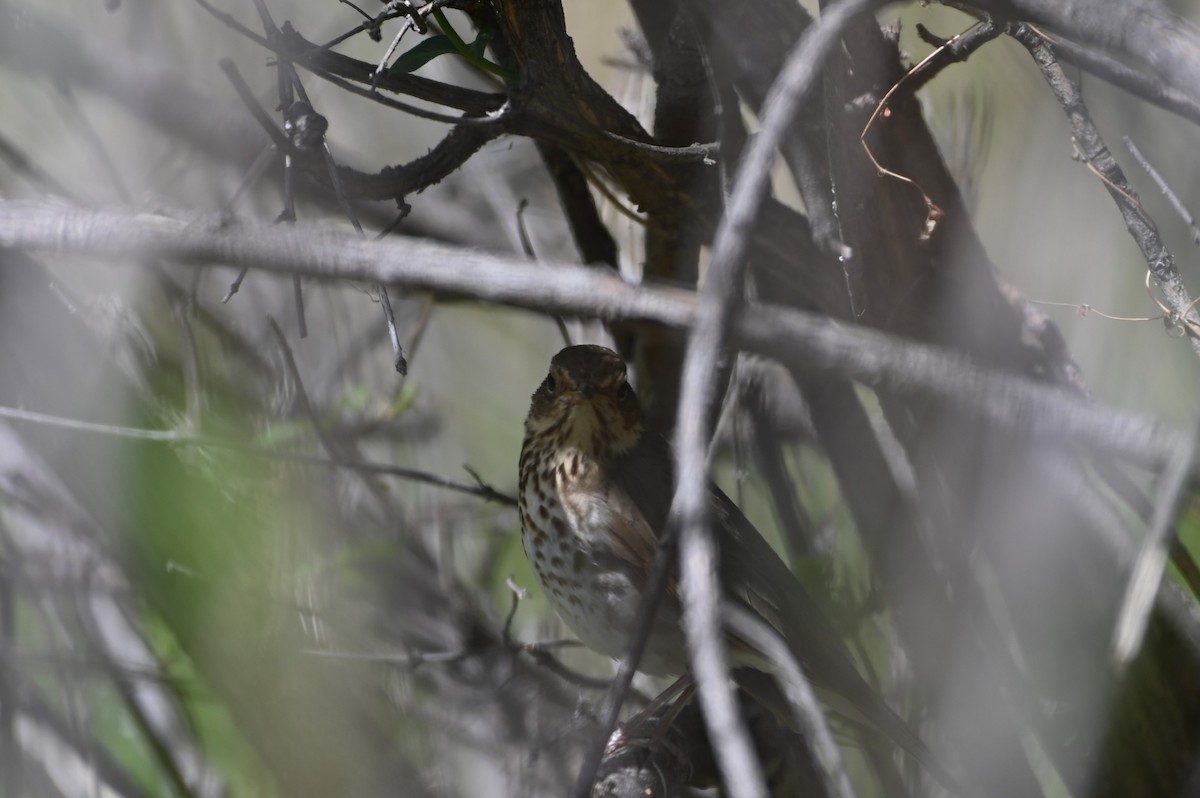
[{"x": 274, "y": 295}]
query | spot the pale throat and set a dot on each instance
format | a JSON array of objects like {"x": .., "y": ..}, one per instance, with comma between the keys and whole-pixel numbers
[
  {"x": 598, "y": 431},
  {"x": 590, "y": 434}
]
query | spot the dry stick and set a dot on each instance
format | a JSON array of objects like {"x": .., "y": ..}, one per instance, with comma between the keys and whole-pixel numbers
[
  {"x": 1100, "y": 160},
  {"x": 78, "y": 755},
  {"x": 295, "y": 128},
  {"x": 116, "y": 645},
  {"x": 1152, "y": 558},
  {"x": 279, "y": 143},
  {"x": 339, "y": 192},
  {"x": 332, "y": 446},
  {"x": 799, "y": 692},
  {"x": 527, "y": 248},
  {"x": 806, "y": 342},
  {"x": 958, "y": 48},
  {"x": 288, "y": 216},
  {"x": 1172, "y": 198},
  {"x": 11, "y": 760},
  {"x": 289, "y": 81},
  {"x": 477, "y": 488},
  {"x": 389, "y": 316},
  {"x": 734, "y": 752},
  {"x": 20, "y": 163},
  {"x": 955, "y": 50}
]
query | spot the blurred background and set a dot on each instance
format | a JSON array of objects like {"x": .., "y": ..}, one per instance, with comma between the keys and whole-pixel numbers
[{"x": 215, "y": 612}]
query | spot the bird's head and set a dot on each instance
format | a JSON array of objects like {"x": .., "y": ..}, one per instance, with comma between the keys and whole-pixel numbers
[{"x": 586, "y": 401}]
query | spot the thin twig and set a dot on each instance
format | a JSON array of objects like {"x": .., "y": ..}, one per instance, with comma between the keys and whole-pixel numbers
[
  {"x": 332, "y": 446},
  {"x": 232, "y": 23},
  {"x": 527, "y": 248},
  {"x": 339, "y": 192},
  {"x": 957, "y": 48},
  {"x": 389, "y": 317},
  {"x": 33, "y": 417},
  {"x": 477, "y": 488},
  {"x": 1152, "y": 558},
  {"x": 517, "y": 592},
  {"x": 1161, "y": 182},
  {"x": 20, "y": 163},
  {"x": 246, "y": 94},
  {"x": 809, "y": 716},
  {"x": 11, "y": 762},
  {"x": 954, "y": 50}
]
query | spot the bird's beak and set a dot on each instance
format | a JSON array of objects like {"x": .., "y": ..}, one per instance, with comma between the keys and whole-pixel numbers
[{"x": 587, "y": 390}]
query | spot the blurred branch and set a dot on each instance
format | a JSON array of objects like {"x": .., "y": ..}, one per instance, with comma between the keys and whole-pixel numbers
[
  {"x": 143, "y": 84},
  {"x": 799, "y": 692},
  {"x": 21, "y": 164},
  {"x": 76, "y": 762},
  {"x": 807, "y": 342},
  {"x": 181, "y": 438},
  {"x": 1148, "y": 569},
  {"x": 151, "y": 698},
  {"x": 11, "y": 766}
]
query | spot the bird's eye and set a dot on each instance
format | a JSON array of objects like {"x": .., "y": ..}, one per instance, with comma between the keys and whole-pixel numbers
[
  {"x": 548, "y": 383},
  {"x": 624, "y": 392}
]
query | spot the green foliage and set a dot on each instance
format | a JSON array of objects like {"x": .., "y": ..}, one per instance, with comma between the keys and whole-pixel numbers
[
  {"x": 422, "y": 54},
  {"x": 440, "y": 44}
]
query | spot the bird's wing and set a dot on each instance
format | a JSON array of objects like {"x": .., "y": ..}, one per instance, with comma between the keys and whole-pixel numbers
[
  {"x": 645, "y": 475},
  {"x": 775, "y": 595},
  {"x": 779, "y": 598}
]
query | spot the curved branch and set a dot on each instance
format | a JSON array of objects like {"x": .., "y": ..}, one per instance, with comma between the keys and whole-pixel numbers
[{"x": 697, "y": 556}]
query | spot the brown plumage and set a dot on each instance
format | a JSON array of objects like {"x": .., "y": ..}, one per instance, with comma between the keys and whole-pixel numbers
[{"x": 595, "y": 489}]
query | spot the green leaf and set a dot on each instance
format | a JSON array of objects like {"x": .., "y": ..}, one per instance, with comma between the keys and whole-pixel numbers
[
  {"x": 422, "y": 54},
  {"x": 481, "y": 42}
]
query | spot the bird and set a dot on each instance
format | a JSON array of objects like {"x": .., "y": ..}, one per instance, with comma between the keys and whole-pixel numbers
[{"x": 595, "y": 488}]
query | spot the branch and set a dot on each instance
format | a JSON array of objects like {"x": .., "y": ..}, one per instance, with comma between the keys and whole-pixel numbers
[
  {"x": 180, "y": 438},
  {"x": 1151, "y": 561},
  {"x": 799, "y": 691},
  {"x": 697, "y": 557},
  {"x": 803, "y": 341}
]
